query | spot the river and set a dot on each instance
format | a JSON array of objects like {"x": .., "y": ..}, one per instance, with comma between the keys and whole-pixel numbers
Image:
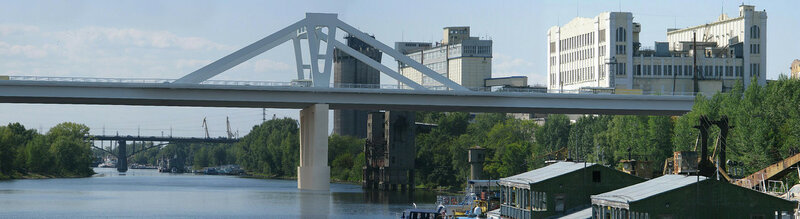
[{"x": 147, "y": 193}]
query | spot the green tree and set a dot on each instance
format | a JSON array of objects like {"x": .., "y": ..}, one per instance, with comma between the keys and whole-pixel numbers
[{"x": 554, "y": 134}]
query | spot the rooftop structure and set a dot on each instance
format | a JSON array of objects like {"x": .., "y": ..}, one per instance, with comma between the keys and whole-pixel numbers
[
  {"x": 605, "y": 52},
  {"x": 463, "y": 59},
  {"x": 558, "y": 189},
  {"x": 681, "y": 196}
]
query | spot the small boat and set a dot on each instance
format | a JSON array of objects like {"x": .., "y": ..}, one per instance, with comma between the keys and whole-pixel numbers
[
  {"x": 480, "y": 194},
  {"x": 415, "y": 213}
]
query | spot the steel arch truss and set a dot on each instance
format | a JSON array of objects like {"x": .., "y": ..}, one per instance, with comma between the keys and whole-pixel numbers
[{"x": 323, "y": 29}]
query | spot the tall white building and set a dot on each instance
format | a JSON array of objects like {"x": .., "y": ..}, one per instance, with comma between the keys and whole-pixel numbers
[
  {"x": 463, "y": 59},
  {"x": 604, "y": 52}
]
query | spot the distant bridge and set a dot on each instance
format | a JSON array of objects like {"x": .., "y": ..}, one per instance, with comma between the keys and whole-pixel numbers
[{"x": 122, "y": 161}]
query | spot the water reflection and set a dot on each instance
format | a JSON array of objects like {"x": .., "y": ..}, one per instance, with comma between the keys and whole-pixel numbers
[{"x": 147, "y": 193}]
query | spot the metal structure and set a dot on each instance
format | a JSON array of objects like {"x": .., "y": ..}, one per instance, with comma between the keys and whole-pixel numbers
[
  {"x": 318, "y": 29},
  {"x": 758, "y": 180},
  {"x": 122, "y": 154}
]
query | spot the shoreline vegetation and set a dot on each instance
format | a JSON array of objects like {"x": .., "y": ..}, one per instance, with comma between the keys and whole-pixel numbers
[{"x": 59, "y": 153}]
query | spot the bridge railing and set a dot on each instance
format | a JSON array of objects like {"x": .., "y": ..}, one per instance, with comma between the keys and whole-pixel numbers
[{"x": 538, "y": 89}]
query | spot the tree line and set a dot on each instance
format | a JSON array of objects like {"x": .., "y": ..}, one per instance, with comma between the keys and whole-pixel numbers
[{"x": 61, "y": 152}]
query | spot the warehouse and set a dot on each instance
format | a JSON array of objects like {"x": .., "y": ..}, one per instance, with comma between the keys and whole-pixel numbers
[
  {"x": 558, "y": 189},
  {"x": 677, "y": 196}
]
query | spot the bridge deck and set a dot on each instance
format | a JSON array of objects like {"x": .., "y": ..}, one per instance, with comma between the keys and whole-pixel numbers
[
  {"x": 205, "y": 95},
  {"x": 162, "y": 139}
]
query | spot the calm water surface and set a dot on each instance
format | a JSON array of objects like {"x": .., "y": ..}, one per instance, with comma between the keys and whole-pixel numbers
[{"x": 149, "y": 194}]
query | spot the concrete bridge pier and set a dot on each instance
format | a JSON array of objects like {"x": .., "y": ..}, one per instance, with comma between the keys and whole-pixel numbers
[
  {"x": 314, "y": 172},
  {"x": 122, "y": 157}
]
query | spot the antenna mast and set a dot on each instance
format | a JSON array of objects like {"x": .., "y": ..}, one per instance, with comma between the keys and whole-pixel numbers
[{"x": 205, "y": 125}]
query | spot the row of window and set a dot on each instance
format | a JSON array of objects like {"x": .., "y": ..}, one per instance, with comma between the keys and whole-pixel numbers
[
  {"x": 578, "y": 41},
  {"x": 575, "y": 56},
  {"x": 576, "y": 76},
  {"x": 587, "y": 74},
  {"x": 468, "y": 50},
  {"x": 687, "y": 70},
  {"x": 523, "y": 198}
]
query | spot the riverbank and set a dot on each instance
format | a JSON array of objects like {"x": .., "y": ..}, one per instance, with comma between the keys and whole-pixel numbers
[
  {"x": 440, "y": 190},
  {"x": 40, "y": 176}
]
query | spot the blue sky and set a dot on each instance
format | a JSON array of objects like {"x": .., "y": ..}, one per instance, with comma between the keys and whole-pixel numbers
[{"x": 168, "y": 39}]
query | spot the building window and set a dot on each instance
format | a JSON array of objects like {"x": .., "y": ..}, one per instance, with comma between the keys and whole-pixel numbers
[
  {"x": 755, "y": 49},
  {"x": 596, "y": 176},
  {"x": 755, "y": 32},
  {"x": 739, "y": 71},
  {"x": 755, "y": 69},
  {"x": 657, "y": 70},
  {"x": 560, "y": 206},
  {"x": 620, "y": 69},
  {"x": 668, "y": 70},
  {"x": 637, "y": 70},
  {"x": 601, "y": 36},
  {"x": 621, "y": 49},
  {"x": 728, "y": 71},
  {"x": 688, "y": 70},
  {"x": 621, "y": 34}
]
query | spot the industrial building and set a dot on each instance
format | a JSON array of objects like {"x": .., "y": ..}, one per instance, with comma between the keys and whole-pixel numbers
[
  {"x": 681, "y": 196},
  {"x": 558, "y": 189},
  {"x": 460, "y": 57},
  {"x": 389, "y": 151},
  {"x": 605, "y": 53},
  {"x": 350, "y": 72},
  {"x": 795, "y": 69}
]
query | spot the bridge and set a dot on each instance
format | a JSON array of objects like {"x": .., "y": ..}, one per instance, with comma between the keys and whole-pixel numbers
[
  {"x": 122, "y": 141},
  {"x": 314, "y": 93}
]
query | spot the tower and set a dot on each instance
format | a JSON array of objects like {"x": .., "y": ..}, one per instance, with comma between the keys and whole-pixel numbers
[{"x": 352, "y": 73}]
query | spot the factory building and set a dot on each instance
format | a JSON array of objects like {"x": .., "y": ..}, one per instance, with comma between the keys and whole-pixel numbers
[
  {"x": 681, "y": 196},
  {"x": 350, "y": 72},
  {"x": 558, "y": 189},
  {"x": 605, "y": 53},
  {"x": 389, "y": 151},
  {"x": 460, "y": 57}
]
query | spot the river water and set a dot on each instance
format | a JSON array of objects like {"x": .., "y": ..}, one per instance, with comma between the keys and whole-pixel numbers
[{"x": 149, "y": 194}]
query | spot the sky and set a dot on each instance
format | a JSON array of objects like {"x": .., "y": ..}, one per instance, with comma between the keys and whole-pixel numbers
[{"x": 169, "y": 39}]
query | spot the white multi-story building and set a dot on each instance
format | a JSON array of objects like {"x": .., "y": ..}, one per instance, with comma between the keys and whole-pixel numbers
[
  {"x": 604, "y": 52},
  {"x": 463, "y": 59}
]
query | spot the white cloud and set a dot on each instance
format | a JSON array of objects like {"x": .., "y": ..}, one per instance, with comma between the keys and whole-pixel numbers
[
  {"x": 267, "y": 65},
  {"x": 191, "y": 63},
  {"x": 9, "y": 29},
  {"x": 505, "y": 65},
  {"x": 28, "y": 51},
  {"x": 134, "y": 37}
]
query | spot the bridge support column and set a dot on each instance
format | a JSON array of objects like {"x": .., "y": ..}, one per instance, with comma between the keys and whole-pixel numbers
[
  {"x": 314, "y": 172},
  {"x": 122, "y": 157}
]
